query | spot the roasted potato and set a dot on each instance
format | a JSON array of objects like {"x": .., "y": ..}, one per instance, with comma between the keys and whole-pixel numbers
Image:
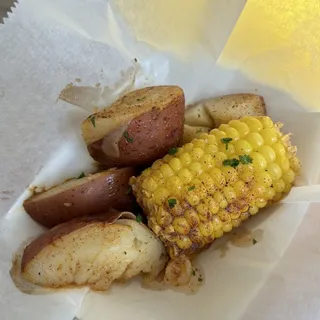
[
  {"x": 89, "y": 251},
  {"x": 191, "y": 132},
  {"x": 213, "y": 112},
  {"x": 79, "y": 197},
  {"x": 137, "y": 129}
]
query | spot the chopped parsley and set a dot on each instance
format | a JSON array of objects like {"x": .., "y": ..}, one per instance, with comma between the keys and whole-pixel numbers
[
  {"x": 82, "y": 175},
  {"x": 226, "y": 141},
  {"x": 191, "y": 188},
  {"x": 139, "y": 218},
  {"x": 172, "y": 203},
  {"x": 245, "y": 159},
  {"x": 199, "y": 130},
  {"x": 92, "y": 118},
  {"x": 193, "y": 272},
  {"x": 173, "y": 151},
  {"x": 127, "y": 137},
  {"x": 129, "y": 190},
  {"x": 231, "y": 162},
  {"x": 254, "y": 241},
  {"x": 141, "y": 99},
  {"x": 200, "y": 279}
]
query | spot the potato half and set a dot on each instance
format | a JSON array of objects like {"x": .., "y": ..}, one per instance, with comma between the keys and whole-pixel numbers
[
  {"x": 213, "y": 112},
  {"x": 90, "y": 195},
  {"x": 90, "y": 252},
  {"x": 137, "y": 129}
]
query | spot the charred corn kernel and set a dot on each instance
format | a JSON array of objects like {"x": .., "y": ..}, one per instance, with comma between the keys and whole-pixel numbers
[
  {"x": 253, "y": 210},
  {"x": 206, "y": 228},
  {"x": 268, "y": 153},
  {"x": 227, "y": 226},
  {"x": 181, "y": 225},
  {"x": 185, "y": 159},
  {"x": 230, "y": 132},
  {"x": 207, "y": 162},
  {"x": 174, "y": 184},
  {"x": 241, "y": 127},
  {"x": 192, "y": 217},
  {"x": 166, "y": 171},
  {"x": 253, "y": 123},
  {"x": 213, "y": 196},
  {"x": 243, "y": 147},
  {"x": 255, "y": 140},
  {"x": 195, "y": 168},
  {"x": 196, "y": 154},
  {"x": 279, "y": 185},
  {"x": 274, "y": 171}
]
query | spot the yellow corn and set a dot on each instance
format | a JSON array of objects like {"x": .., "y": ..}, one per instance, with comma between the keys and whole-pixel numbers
[{"x": 211, "y": 185}]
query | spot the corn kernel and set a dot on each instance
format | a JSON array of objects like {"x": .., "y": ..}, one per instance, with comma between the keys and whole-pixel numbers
[
  {"x": 175, "y": 164},
  {"x": 260, "y": 203},
  {"x": 230, "y": 132},
  {"x": 230, "y": 174},
  {"x": 157, "y": 176},
  {"x": 163, "y": 217},
  {"x": 236, "y": 223},
  {"x": 192, "y": 218},
  {"x": 185, "y": 159},
  {"x": 218, "y": 233},
  {"x": 245, "y": 215},
  {"x": 258, "y": 190},
  {"x": 195, "y": 168},
  {"x": 264, "y": 178},
  {"x": 211, "y": 149},
  {"x": 198, "y": 143},
  {"x": 206, "y": 229},
  {"x": 192, "y": 199},
  {"x": 157, "y": 164},
  {"x": 274, "y": 171},
  {"x": 268, "y": 153},
  {"x": 266, "y": 122},
  {"x": 203, "y": 136},
  {"x": 196, "y": 236},
  {"x": 196, "y": 154},
  {"x": 217, "y": 223},
  {"x": 212, "y": 139},
  {"x": 188, "y": 147},
  {"x": 287, "y": 187},
  {"x": 229, "y": 193},
  {"x": 295, "y": 164},
  {"x": 146, "y": 172},
  {"x": 174, "y": 184},
  {"x": 218, "y": 177},
  {"x": 181, "y": 225},
  {"x": 279, "y": 185},
  {"x": 207, "y": 182},
  {"x": 254, "y": 124},
  {"x": 253, "y": 210},
  {"x": 270, "y": 193},
  {"x": 207, "y": 162},
  {"x": 284, "y": 163},
  {"x": 243, "y": 147},
  {"x": 218, "y": 134},
  {"x": 240, "y": 188},
  {"x": 289, "y": 176},
  {"x": 258, "y": 161},
  {"x": 184, "y": 243},
  {"x": 160, "y": 195},
  {"x": 149, "y": 184},
  {"x": 213, "y": 206},
  {"x": 224, "y": 215},
  {"x": 269, "y": 136},
  {"x": 202, "y": 209},
  {"x": 235, "y": 215},
  {"x": 167, "y": 158},
  {"x": 247, "y": 174},
  {"x": 227, "y": 226},
  {"x": 219, "y": 157},
  {"x": 166, "y": 170},
  {"x": 185, "y": 176},
  {"x": 230, "y": 150},
  {"x": 241, "y": 127},
  {"x": 255, "y": 140}
]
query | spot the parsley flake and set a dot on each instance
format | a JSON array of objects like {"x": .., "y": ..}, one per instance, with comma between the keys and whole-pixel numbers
[
  {"x": 231, "y": 162},
  {"x": 172, "y": 203},
  {"x": 129, "y": 190},
  {"x": 127, "y": 137},
  {"x": 193, "y": 272},
  {"x": 226, "y": 141},
  {"x": 173, "y": 151},
  {"x": 245, "y": 159},
  {"x": 191, "y": 188},
  {"x": 82, "y": 175},
  {"x": 254, "y": 241},
  {"x": 92, "y": 118},
  {"x": 141, "y": 99},
  {"x": 139, "y": 218},
  {"x": 200, "y": 279}
]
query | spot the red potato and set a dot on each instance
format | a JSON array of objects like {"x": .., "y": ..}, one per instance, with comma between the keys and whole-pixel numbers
[
  {"x": 89, "y": 251},
  {"x": 137, "y": 129},
  {"x": 90, "y": 195}
]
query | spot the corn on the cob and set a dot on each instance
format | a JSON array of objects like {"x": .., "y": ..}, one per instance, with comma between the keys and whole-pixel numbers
[{"x": 209, "y": 186}]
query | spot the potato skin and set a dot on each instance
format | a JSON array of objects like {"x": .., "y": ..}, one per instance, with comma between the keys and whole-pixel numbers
[
  {"x": 153, "y": 133},
  {"x": 61, "y": 230},
  {"x": 97, "y": 194}
]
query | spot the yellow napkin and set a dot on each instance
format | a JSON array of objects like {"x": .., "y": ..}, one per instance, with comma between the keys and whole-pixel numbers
[{"x": 277, "y": 42}]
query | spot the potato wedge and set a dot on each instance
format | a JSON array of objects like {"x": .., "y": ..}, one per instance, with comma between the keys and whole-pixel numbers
[
  {"x": 137, "y": 129},
  {"x": 91, "y": 252},
  {"x": 191, "y": 132},
  {"x": 79, "y": 197},
  {"x": 213, "y": 112}
]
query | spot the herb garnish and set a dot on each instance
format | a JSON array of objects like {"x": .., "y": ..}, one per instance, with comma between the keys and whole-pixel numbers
[
  {"x": 245, "y": 159},
  {"x": 200, "y": 279},
  {"x": 92, "y": 118},
  {"x": 254, "y": 241},
  {"x": 82, "y": 175},
  {"x": 141, "y": 99},
  {"x": 139, "y": 218},
  {"x": 193, "y": 272},
  {"x": 191, "y": 188},
  {"x": 129, "y": 190},
  {"x": 231, "y": 162},
  {"x": 172, "y": 203},
  {"x": 173, "y": 151},
  {"x": 127, "y": 137},
  {"x": 226, "y": 141}
]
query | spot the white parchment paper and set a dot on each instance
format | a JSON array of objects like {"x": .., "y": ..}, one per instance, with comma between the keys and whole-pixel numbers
[{"x": 46, "y": 44}]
